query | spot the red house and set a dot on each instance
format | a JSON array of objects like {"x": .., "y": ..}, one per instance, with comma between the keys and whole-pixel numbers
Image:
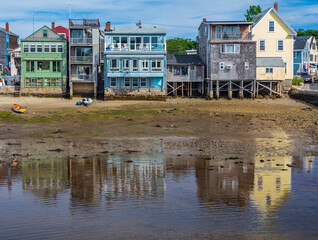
[{"x": 62, "y": 31}]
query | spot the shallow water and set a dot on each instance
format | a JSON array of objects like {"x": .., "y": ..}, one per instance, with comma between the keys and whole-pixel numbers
[{"x": 156, "y": 196}]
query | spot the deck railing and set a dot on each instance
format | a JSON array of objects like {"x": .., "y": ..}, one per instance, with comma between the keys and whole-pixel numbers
[
  {"x": 81, "y": 41},
  {"x": 88, "y": 59},
  {"x": 141, "y": 47},
  {"x": 84, "y": 22}
]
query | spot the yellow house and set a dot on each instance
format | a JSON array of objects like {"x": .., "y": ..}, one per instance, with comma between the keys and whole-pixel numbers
[{"x": 274, "y": 37}]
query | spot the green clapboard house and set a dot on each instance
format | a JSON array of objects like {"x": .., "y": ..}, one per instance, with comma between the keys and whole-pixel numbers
[{"x": 44, "y": 64}]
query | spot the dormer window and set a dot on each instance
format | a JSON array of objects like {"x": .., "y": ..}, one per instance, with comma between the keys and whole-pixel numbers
[{"x": 271, "y": 26}]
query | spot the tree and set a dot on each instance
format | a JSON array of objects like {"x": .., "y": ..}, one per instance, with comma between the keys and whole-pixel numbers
[
  {"x": 301, "y": 32},
  {"x": 252, "y": 12},
  {"x": 179, "y": 45}
]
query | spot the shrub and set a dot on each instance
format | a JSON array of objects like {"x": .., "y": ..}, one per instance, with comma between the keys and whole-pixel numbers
[{"x": 297, "y": 80}]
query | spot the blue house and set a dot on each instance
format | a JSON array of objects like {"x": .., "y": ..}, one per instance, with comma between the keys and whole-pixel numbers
[
  {"x": 134, "y": 63},
  {"x": 301, "y": 55}
]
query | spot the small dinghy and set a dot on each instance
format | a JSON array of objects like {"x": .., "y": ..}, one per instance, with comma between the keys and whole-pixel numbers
[
  {"x": 85, "y": 102},
  {"x": 18, "y": 109}
]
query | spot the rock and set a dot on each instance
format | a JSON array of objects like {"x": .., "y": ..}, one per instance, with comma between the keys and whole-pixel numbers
[
  {"x": 131, "y": 151},
  {"x": 158, "y": 126},
  {"x": 129, "y": 161},
  {"x": 58, "y": 131},
  {"x": 316, "y": 123},
  {"x": 56, "y": 150},
  {"x": 262, "y": 161},
  {"x": 105, "y": 152},
  {"x": 29, "y": 154},
  {"x": 130, "y": 120}
]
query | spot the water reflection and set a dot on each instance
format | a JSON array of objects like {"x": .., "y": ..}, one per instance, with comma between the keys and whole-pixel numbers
[{"x": 272, "y": 183}]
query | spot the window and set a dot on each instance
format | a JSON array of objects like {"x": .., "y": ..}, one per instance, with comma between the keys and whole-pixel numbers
[
  {"x": 269, "y": 70},
  {"x": 311, "y": 57},
  {"x": 124, "y": 42},
  {"x": 246, "y": 65},
  {"x": 271, "y": 26},
  {"x": 60, "y": 48},
  {"x": 32, "y": 48},
  {"x": 135, "y": 82},
  {"x": 145, "y": 67},
  {"x": 135, "y": 65},
  {"x": 116, "y": 43},
  {"x": 63, "y": 35},
  {"x": 184, "y": 71},
  {"x": 176, "y": 70},
  {"x": 46, "y": 48},
  {"x": 280, "y": 45},
  {"x": 295, "y": 54},
  {"x": 52, "y": 82},
  {"x": 30, "y": 66},
  {"x": 262, "y": 45},
  {"x": 230, "y": 48},
  {"x": 218, "y": 32},
  {"x": 127, "y": 82},
  {"x": 156, "y": 65},
  {"x": 114, "y": 65},
  {"x": 113, "y": 82},
  {"x": 83, "y": 72},
  {"x": 221, "y": 65},
  {"x": 43, "y": 65},
  {"x": 56, "y": 66},
  {"x": 33, "y": 82},
  {"x": 143, "y": 82},
  {"x": 53, "y": 48},
  {"x": 231, "y": 32},
  {"x": 170, "y": 69},
  {"x": 286, "y": 68},
  {"x": 45, "y": 33},
  {"x": 125, "y": 64},
  {"x": 1, "y": 68},
  {"x": 25, "y": 48},
  {"x": 132, "y": 43},
  {"x": 39, "y": 48}
]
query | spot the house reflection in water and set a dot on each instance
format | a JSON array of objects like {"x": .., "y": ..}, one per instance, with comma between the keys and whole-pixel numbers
[
  {"x": 228, "y": 183},
  {"x": 45, "y": 178},
  {"x": 135, "y": 177},
  {"x": 272, "y": 184}
]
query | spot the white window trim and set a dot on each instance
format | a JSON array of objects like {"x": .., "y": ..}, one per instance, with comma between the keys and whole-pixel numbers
[
  {"x": 125, "y": 82},
  {"x": 132, "y": 82},
  {"x": 57, "y": 47},
  {"x": 216, "y": 32},
  {"x": 230, "y": 52},
  {"x": 221, "y": 66},
  {"x": 124, "y": 68},
  {"x": 135, "y": 69},
  {"x": 259, "y": 45},
  {"x": 274, "y": 26},
  {"x": 269, "y": 72},
  {"x": 283, "y": 45},
  {"x": 24, "y": 46},
  {"x": 145, "y": 69},
  {"x": 110, "y": 83},
  {"x": 146, "y": 83},
  {"x": 114, "y": 68},
  {"x": 156, "y": 69}
]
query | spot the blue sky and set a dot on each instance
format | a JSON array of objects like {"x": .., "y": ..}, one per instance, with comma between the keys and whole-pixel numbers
[{"x": 181, "y": 18}]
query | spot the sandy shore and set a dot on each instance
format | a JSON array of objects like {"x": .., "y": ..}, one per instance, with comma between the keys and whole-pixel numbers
[{"x": 177, "y": 126}]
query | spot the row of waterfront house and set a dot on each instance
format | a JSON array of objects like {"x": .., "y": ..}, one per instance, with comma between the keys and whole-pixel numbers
[{"x": 232, "y": 57}]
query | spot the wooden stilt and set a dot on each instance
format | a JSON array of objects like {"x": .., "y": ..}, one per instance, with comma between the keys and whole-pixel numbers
[
  {"x": 257, "y": 86},
  {"x": 271, "y": 87},
  {"x": 241, "y": 90},
  {"x": 182, "y": 89},
  {"x": 191, "y": 89},
  {"x": 217, "y": 90},
  {"x": 230, "y": 90}
]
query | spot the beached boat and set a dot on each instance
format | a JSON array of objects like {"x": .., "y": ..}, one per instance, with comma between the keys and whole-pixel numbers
[{"x": 18, "y": 109}]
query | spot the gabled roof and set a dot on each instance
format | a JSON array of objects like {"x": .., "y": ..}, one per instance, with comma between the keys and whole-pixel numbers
[
  {"x": 300, "y": 42},
  {"x": 270, "y": 62},
  {"x": 259, "y": 18},
  {"x": 10, "y": 33},
  {"x": 32, "y": 37},
  {"x": 184, "y": 59}
]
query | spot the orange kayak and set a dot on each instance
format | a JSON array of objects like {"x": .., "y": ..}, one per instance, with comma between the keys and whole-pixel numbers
[{"x": 18, "y": 109}]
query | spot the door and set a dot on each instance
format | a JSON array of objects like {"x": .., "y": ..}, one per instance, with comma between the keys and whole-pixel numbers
[{"x": 192, "y": 73}]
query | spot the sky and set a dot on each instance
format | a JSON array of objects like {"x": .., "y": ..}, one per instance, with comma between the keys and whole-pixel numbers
[{"x": 180, "y": 18}]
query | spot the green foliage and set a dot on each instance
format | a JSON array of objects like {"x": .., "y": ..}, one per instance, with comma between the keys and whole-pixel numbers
[
  {"x": 301, "y": 32},
  {"x": 252, "y": 12},
  {"x": 179, "y": 45},
  {"x": 297, "y": 81}
]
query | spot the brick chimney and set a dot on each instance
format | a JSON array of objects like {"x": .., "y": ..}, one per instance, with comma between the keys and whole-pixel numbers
[
  {"x": 7, "y": 27},
  {"x": 53, "y": 25},
  {"x": 276, "y": 6},
  {"x": 108, "y": 26},
  {"x": 204, "y": 19}
]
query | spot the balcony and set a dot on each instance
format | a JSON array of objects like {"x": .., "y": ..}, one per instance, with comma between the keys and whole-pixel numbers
[
  {"x": 81, "y": 41},
  {"x": 81, "y": 59},
  {"x": 84, "y": 22},
  {"x": 138, "y": 47},
  {"x": 79, "y": 77}
]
